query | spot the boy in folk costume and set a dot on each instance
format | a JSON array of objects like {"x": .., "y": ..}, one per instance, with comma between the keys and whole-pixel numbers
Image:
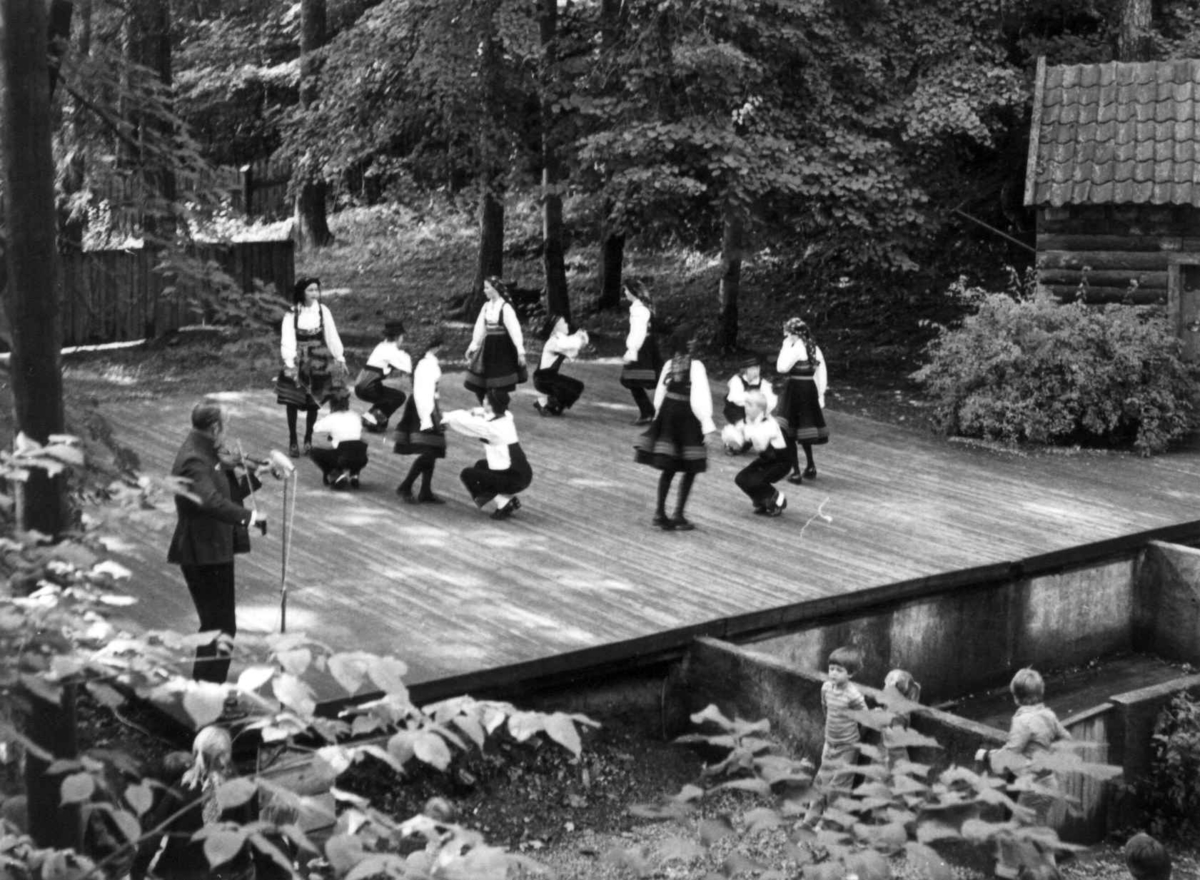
[
  {"x": 420, "y": 431},
  {"x": 387, "y": 362},
  {"x": 748, "y": 378},
  {"x": 763, "y": 434},
  {"x": 340, "y": 452},
  {"x": 557, "y": 392},
  {"x": 505, "y": 470},
  {"x": 802, "y": 402}
]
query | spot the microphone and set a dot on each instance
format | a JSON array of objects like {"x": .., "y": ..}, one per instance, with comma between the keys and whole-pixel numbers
[{"x": 281, "y": 463}]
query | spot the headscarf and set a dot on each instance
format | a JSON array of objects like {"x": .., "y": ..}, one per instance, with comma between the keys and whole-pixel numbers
[{"x": 797, "y": 327}]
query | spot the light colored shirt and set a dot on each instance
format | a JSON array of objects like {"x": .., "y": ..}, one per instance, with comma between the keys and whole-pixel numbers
[
  {"x": 840, "y": 728},
  {"x": 1034, "y": 730},
  {"x": 339, "y": 427},
  {"x": 309, "y": 318},
  {"x": 764, "y": 432},
  {"x": 639, "y": 326},
  {"x": 567, "y": 344},
  {"x": 502, "y": 311},
  {"x": 425, "y": 389},
  {"x": 387, "y": 356},
  {"x": 737, "y": 392},
  {"x": 497, "y": 433},
  {"x": 701, "y": 396},
  {"x": 792, "y": 352}
]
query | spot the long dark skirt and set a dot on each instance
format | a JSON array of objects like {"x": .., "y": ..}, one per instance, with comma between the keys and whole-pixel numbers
[
  {"x": 411, "y": 440},
  {"x": 495, "y": 366},
  {"x": 564, "y": 389},
  {"x": 674, "y": 441},
  {"x": 643, "y": 373},
  {"x": 799, "y": 411}
]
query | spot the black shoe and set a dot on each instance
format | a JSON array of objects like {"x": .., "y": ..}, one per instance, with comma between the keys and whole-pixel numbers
[
  {"x": 294, "y": 449},
  {"x": 795, "y": 479},
  {"x": 429, "y": 498},
  {"x": 810, "y": 472},
  {"x": 406, "y": 495},
  {"x": 341, "y": 480},
  {"x": 778, "y": 506},
  {"x": 308, "y": 447},
  {"x": 541, "y": 410},
  {"x": 506, "y": 511},
  {"x": 354, "y": 481},
  {"x": 663, "y": 522},
  {"x": 761, "y": 510},
  {"x": 679, "y": 524},
  {"x": 643, "y": 420}
]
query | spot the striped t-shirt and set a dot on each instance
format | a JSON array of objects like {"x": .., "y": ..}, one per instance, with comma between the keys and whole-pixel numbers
[{"x": 841, "y": 729}]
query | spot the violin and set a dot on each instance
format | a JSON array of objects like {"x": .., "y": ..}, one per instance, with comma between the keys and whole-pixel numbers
[{"x": 231, "y": 460}]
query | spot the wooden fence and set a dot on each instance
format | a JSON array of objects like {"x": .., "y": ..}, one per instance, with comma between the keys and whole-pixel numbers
[{"x": 114, "y": 296}]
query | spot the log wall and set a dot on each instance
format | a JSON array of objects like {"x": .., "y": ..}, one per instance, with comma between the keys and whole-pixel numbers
[
  {"x": 1113, "y": 253},
  {"x": 117, "y": 296}
]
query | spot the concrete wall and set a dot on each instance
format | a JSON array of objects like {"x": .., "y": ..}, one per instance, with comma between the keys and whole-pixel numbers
[
  {"x": 1167, "y": 591},
  {"x": 956, "y": 642}
]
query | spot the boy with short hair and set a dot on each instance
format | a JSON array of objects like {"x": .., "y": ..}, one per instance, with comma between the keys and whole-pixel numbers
[
  {"x": 386, "y": 359},
  {"x": 839, "y": 754},
  {"x": 1147, "y": 859},
  {"x": 340, "y": 451},
  {"x": 1035, "y": 728}
]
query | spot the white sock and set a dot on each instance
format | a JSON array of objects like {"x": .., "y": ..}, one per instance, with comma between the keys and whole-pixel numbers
[
  {"x": 502, "y": 501},
  {"x": 543, "y": 399}
]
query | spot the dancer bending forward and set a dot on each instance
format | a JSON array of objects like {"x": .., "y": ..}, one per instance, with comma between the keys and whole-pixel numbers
[
  {"x": 505, "y": 471},
  {"x": 764, "y": 435}
]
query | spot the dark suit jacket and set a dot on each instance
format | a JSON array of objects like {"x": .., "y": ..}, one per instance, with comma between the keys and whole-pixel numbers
[{"x": 204, "y": 533}]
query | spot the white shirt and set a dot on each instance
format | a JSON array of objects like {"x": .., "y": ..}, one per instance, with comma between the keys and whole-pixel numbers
[
  {"x": 639, "y": 326},
  {"x": 339, "y": 427},
  {"x": 794, "y": 351},
  {"x": 701, "y": 396},
  {"x": 737, "y": 392},
  {"x": 388, "y": 356},
  {"x": 493, "y": 311},
  {"x": 309, "y": 318},
  {"x": 496, "y": 433},
  {"x": 763, "y": 432},
  {"x": 425, "y": 389},
  {"x": 565, "y": 344}
]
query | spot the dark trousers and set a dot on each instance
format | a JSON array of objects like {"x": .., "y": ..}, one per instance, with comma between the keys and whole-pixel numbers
[
  {"x": 349, "y": 455},
  {"x": 383, "y": 398},
  {"x": 485, "y": 484},
  {"x": 212, "y": 592},
  {"x": 755, "y": 479},
  {"x": 642, "y": 399}
]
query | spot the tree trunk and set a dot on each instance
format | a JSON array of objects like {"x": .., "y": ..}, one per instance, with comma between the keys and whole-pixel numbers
[
  {"x": 311, "y": 208},
  {"x": 612, "y": 258},
  {"x": 54, "y": 727},
  {"x": 148, "y": 43},
  {"x": 491, "y": 243},
  {"x": 553, "y": 247},
  {"x": 32, "y": 300},
  {"x": 1134, "y": 41},
  {"x": 732, "y": 243}
]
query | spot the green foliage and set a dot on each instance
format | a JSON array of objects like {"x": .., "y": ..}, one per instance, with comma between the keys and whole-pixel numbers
[
  {"x": 1171, "y": 794},
  {"x": 900, "y": 807},
  {"x": 1025, "y": 369}
]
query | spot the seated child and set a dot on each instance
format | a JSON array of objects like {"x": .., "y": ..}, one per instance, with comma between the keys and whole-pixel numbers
[
  {"x": 748, "y": 378},
  {"x": 338, "y": 448},
  {"x": 1147, "y": 859},
  {"x": 1035, "y": 728},
  {"x": 839, "y": 697},
  {"x": 765, "y": 436},
  {"x": 387, "y": 362},
  {"x": 557, "y": 392}
]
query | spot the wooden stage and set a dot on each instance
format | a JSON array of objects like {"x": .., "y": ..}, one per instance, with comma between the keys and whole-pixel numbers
[{"x": 451, "y": 592}]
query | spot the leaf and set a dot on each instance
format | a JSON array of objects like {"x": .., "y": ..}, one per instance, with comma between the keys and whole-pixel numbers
[
  {"x": 234, "y": 792},
  {"x": 223, "y": 844},
  {"x": 896, "y": 738},
  {"x": 737, "y": 863},
  {"x": 561, "y": 729},
  {"x": 712, "y": 830},
  {"x": 762, "y": 819},
  {"x": 140, "y": 797},
  {"x": 105, "y": 694},
  {"x": 523, "y": 725},
  {"x": 929, "y": 830},
  {"x": 344, "y": 851},
  {"x": 470, "y": 725},
  {"x": 633, "y": 859},
  {"x": 868, "y": 865},
  {"x": 294, "y": 694},
  {"x": 754, "y": 785},
  {"x": 679, "y": 849},
  {"x": 432, "y": 749},
  {"x": 129, "y": 825},
  {"x": 295, "y": 662},
  {"x": 77, "y": 788},
  {"x": 689, "y": 793},
  {"x": 388, "y": 674},
  {"x": 204, "y": 701},
  {"x": 381, "y": 864},
  {"x": 927, "y": 862},
  {"x": 254, "y": 677},
  {"x": 349, "y": 670},
  {"x": 713, "y": 714}
]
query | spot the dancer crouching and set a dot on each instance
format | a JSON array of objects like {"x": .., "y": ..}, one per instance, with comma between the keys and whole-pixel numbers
[
  {"x": 505, "y": 471},
  {"x": 763, "y": 434}
]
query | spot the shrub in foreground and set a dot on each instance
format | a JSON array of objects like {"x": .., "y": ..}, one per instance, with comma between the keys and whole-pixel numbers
[{"x": 1027, "y": 369}]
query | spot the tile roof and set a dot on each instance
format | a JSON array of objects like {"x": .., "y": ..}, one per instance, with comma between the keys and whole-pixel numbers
[{"x": 1116, "y": 133}]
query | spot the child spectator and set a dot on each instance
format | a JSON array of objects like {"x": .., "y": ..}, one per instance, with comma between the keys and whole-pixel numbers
[
  {"x": 1147, "y": 859},
  {"x": 839, "y": 697},
  {"x": 385, "y": 359},
  {"x": 764, "y": 435},
  {"x": 748, "y": 378},
  {"x": 899, "y": 688},
  {"x": 557, "y": 392},
  {"x": 340, "y": 451},
  {"x": 1035, "y": 728}
]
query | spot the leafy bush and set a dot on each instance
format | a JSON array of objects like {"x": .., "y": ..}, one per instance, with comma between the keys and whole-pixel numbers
[
  {"x": 1025, "y": 369},
  {"x": 1171, "y": 794}
]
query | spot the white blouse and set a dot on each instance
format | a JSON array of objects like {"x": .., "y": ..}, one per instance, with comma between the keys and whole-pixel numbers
[
  {"x": 764, "y": 432},
  {"x": 794, "y": 351},
  {"x": 493, "y": 311},
  {"x": 425, "y": 389},
  {"x": 496, "y": 433},
  {"x": 639, "y": 326},
  {"x": 387, "y": 356},
  {"x": 565, "y": 344},
  {"x": 701, "y": 396},
  {"x": 309, "y": 318}
]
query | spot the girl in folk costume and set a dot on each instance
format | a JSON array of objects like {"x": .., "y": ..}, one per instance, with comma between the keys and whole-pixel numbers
[
  {"x": 748, "y": 378},
  {"x": 420, "y": 431},
  {"x": 505, "y": 471},
  {"x": 765, "y": 437},
  {"x": 674, "y": 442},
  {"x": 802, "y": 402},
  {"x": 556, "y": 391},
  {"x": 643, "y": 363},
  {"x": 496, "y": 355},
  {"x": 312, "y": 351},
  {"x": 386, "y": 359}
]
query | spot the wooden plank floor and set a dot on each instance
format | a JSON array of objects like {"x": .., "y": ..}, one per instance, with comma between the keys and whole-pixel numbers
[{"x": 451, "y": 592}]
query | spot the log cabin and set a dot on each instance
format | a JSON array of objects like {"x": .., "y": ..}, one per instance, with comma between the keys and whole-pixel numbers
[{"x": 1114, "y": 176}]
